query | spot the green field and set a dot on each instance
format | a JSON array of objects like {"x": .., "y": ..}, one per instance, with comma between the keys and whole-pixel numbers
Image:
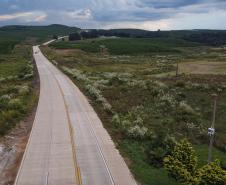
[
  {"x": 144, "y": 107},
  {"x": 128, "y": 46}
]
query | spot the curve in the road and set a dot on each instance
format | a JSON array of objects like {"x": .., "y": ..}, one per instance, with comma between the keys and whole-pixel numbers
[{"x": 68, "y": 143}]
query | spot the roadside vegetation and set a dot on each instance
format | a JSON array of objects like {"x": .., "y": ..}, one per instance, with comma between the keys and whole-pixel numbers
[
  {"x": 18, "y": 82},
  {"x": 144, "y": 107},
  {"x": 17, "y": 94}
]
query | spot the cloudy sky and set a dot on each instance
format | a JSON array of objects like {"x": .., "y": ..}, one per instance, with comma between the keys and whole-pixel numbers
[{"x": 143, "y": 14}]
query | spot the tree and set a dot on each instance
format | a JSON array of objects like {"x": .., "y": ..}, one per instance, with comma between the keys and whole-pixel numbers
[
  {"x": 74, "y": 36},
  {"x": 55, "y": 37},
  {"x": 212, "y": 174},
  {"x": 161, "y": 145},
  {"x": 182, "y": 163}
]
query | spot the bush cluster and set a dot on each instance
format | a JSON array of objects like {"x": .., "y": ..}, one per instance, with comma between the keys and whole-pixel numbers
[
  {"x": 181, "y": 165},
  {"x": 12, "y": 106},
  {"x": 91, "y": 87}
]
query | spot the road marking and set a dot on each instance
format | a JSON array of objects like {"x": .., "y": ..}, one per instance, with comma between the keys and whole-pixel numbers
[
  {"x": 47, "y": 179},
  {"x": 77, "y": 169},
  {"x": 79, "y": 179},
  {"x": 96, "y": 139},
  {"x": 76, "y": 166}
]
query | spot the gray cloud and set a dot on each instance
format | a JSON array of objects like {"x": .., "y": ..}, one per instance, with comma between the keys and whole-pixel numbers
[{"x": 103, "y": 13}]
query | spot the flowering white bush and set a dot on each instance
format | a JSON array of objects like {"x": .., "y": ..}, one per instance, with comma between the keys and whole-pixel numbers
[
  {"x": 96, "y": 93},
  {"x": 110, "y": 75},
  {"x": 186, "y": 108},
  {"x": 100, "y": 84},
  {"x": 5, "y": 97},
  {"x": 138, "y": 83},
  {"x": 23, "y": 90},
  {"x": 160, "y": 84},
  {"x": 15, "y": 103},
  {"x": 116, "y": 120},
  {"x": 137, "y": 132},
  {"x": 93, "y": 91},
  {"x": 139, "y": 121},
  {"x": 107, "y": 106},
  {"x": 167, "y": 99},
  {"x": 75, "y": 73}
]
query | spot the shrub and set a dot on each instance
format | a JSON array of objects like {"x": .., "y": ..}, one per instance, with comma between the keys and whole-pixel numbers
[
  {"x": 126, "y": 124},
  {"x": 100, "y": 84},
  {"x": 137, "y": 132},
  {"x": 180, "y": 83},
  {"x": 110, "y": 75},
  {"x": 139, "y": 121},
  {"x": 116, "y": 120},
  {"x": 138, "y": 83},
  {"x": 55, "y": 37},
  {"x": 16, "y": 104},
  {"x": 94, "y": 92},
  {"x": 212, "y": 174},
  {"x": 5, "y": 97},
  {"x": 167, "y": 100},
  {"x": 77, "y": 74},
  {"x": 160, "y": 146},
  {"x": 161, "y": 85},
  {"x": 24, "y": 90},
  {"x": 107, "y": 106},
  {"x": 182, "y": 163},
  {"x": 7, "y": 120},
  {"x": 185, "y": 108},
  {"x": 74, "y": 36}
]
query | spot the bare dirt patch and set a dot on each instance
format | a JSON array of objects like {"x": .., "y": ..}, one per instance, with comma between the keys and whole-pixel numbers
[
  {"x": 198, "y": 68},
  {"x": 203, "y": 68},
  {"x": 196, "y": 78},
  {"x": 13, "y": 146},
  {"x": 66, "y": 51}
]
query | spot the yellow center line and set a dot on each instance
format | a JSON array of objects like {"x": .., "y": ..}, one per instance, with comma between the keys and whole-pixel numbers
[{"x": 77, "y": 169}]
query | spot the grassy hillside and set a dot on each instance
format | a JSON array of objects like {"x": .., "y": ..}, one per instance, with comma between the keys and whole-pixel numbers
[{"x": 12, "y": 35}]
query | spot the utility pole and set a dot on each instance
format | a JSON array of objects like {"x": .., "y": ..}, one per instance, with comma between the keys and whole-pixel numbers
[
  {"x": 177, "y": 69},
  {"x": 211, "y": 130}
]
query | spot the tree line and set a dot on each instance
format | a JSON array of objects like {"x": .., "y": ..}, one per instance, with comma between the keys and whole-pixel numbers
[{"x": 206, "y": 37}]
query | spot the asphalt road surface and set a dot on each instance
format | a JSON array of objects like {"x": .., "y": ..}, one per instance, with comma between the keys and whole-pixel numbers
[{"x": 68, "y": 144}]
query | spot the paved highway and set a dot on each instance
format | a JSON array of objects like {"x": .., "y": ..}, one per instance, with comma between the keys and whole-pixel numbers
[{"x": 68, "y": 144}]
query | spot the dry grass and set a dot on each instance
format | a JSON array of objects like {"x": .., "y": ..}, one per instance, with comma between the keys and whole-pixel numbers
[{"x": 203, "y": 67}]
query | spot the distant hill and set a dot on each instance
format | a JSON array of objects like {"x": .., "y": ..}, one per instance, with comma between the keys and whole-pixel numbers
[
  {"x": 18, "y": 32},
  {"x": 12, "y": 35}
]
